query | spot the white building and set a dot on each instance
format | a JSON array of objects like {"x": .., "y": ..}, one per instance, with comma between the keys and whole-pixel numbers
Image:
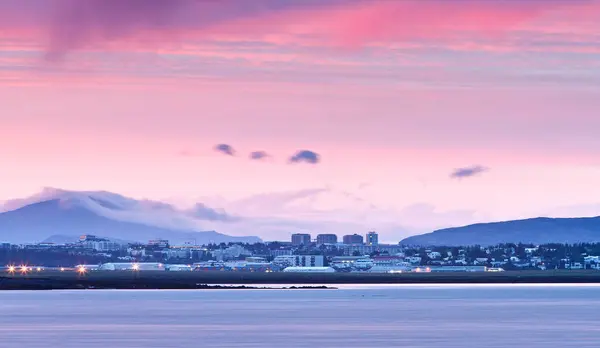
[
  {"x": 132, "y": 266},
  {"x": 178, "y": 268},
  {"x": 363, "y": 264},
  {"x": 434, "y": 255},
  {"x": 230, "y": 253},
  {"x": 98, "y": 244},
  {"x": 300, "y": 260},
  {"x": 310, "y": 269}
]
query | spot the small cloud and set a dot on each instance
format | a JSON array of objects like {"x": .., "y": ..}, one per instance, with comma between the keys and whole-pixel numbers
[
  {"x": 306, "y": 156},
  {"x": 259, "y": 155},
  {"x": 467, "y": 172},
  {"x": 225, "y": 149}
]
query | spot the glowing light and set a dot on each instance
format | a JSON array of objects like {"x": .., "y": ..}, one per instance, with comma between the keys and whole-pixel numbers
[
  {"x": 39, "y": 269},
  {"x": 24, "y": 269},
  {"x": 81, "y": 270},
  {"x": 62, "y": 269},
  {"x": 136, "y": 267},
  {"x": 11, "y": 269}
]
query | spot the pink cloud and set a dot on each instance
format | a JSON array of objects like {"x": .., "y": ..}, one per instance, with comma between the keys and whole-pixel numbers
[{"x": 65, "y": 25}]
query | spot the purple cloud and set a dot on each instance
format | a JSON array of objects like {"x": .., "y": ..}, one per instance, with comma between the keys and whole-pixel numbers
[
  {"x": 467, "y": 172},
  {"x": 306, "y": 156},
  {"x": 259, "y": 155},
  {"x": 225, "y": 149}
]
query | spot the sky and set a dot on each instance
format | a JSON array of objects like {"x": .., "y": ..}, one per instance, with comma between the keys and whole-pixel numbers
[{"x": 339, "y": 116}]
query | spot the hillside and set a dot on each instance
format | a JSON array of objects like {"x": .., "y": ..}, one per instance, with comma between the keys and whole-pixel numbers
[
  {"x": 536, "y": 231},
  {"x": 38, "y": 221}
]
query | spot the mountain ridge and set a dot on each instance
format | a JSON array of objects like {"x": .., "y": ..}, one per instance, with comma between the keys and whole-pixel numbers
[
  {"x": 37, "y": 222},
  {"x": 537, "y": 230}
]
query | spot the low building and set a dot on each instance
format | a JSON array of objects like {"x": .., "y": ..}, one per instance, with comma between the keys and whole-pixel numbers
[
  {"x": 391, "y": 249},
  {"x": 98, "y": 244},
  {"x": 300, "y": 260},
  {"x": 178, "y": 268},
  {"x": 310, "y": 269},
  {"x": 230, "y": 253},
  {"x": 280, "y": 252},
  {"x": 132, "y": 266},
  {"x": 158, "y": 243}
]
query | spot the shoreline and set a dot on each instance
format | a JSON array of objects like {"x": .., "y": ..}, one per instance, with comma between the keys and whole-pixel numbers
[{"x": 67, "y": 280}]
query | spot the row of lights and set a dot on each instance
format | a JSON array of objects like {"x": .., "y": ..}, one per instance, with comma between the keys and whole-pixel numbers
[
  {"x": 80, "y": 269},
  {"x": 23, "y": 269}
]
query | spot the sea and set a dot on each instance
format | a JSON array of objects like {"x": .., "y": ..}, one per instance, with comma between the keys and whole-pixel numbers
[{"x": 408, "y": 316}]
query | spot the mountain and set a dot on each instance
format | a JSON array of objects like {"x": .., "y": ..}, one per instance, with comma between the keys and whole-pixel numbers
[
  {"x": 536, "y": 231},
  {"x": 68, "y": 214}
]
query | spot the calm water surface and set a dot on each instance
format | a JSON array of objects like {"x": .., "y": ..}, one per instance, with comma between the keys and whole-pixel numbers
[{"x": 352, "y": 316}]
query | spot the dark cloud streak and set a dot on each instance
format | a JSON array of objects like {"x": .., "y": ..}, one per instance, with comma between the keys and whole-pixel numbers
[
  {"x": 467, "y": 172},
  {"x": 225, "y": 149}
]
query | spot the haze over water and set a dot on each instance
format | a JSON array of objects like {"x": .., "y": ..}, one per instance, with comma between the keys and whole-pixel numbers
[{"x": 352, "y": 316}]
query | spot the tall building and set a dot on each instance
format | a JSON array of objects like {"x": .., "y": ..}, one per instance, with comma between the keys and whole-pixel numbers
[
  {"x": 300, "y": 239},
  {"x": 353, "y": 239},
  {"x": 326, "y": 239},
  {"x": 372, "y": 238}
]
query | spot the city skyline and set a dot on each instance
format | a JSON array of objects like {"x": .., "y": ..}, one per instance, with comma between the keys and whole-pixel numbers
[{"x": 329, "y": 113}]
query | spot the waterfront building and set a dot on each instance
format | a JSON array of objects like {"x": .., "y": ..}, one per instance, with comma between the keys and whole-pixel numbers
[
  {"x": 326, "y": 239},
  {"x": 299, "y": 260},
  {"x": 132, "y": 266},
  {"x": 353, "y": 239},
  {"x": 300, "y": 239},
  {"x": 178, "y": 268},
  {"x": 309, "y": 269},
  {"x": 209, "y": 266},
  {"x": 372, "y": 238}
]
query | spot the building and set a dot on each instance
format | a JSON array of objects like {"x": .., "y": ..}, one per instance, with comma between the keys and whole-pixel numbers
[
  {"x": 89, "y": 241},
  {"x": 280, "y": 252},
  {"x": 372, "y": 238},
  {"x": 144, "y": 266},
  {"x": 326, "y": 239},
  {"x": 300, "y": 239},
  {"x": 300, "y": 260},
  {"x": 232, "y": 252},
  {"x": 353, "y": 239},
  {"x": 158, "y": 243},
  {"x": 178, "y": 268},
  {"x": 310, "y": 269},
  {"x": 344, "y": 262},
  {"x": 361, "y": 249}
]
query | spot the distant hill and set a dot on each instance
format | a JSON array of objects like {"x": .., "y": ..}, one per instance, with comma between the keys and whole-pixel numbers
[
  {"x": 537, "y": 231},
  {"x": 66, "y": 219}
]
